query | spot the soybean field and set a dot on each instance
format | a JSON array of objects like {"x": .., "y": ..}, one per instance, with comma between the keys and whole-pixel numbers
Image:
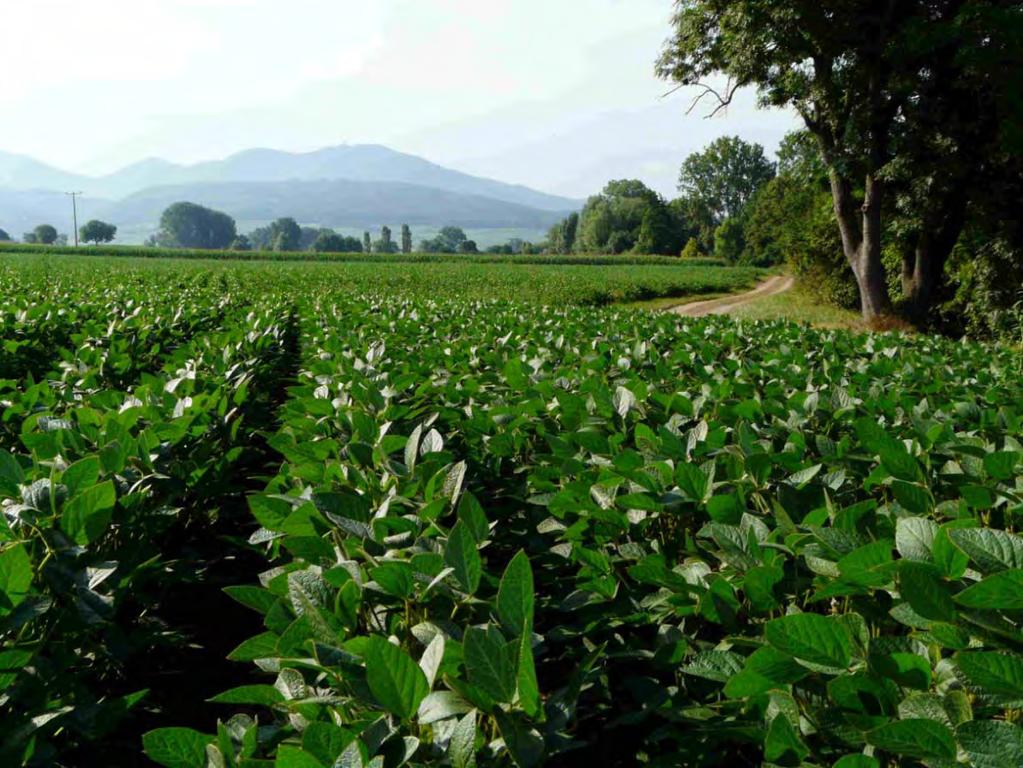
[{"x": 470, "y": 514}]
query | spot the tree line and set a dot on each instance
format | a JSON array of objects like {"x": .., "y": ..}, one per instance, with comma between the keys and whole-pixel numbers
[{"x": 914, "y": 122}]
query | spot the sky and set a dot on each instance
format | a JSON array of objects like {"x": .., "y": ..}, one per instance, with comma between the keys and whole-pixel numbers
[{"x": 556, "y": 94}]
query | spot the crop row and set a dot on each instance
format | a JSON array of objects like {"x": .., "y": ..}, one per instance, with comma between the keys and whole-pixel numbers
[
  {"x": 555, "y": 284},
  {"x": 455, "y": 532},
  {"x": 604, "y": 537}
]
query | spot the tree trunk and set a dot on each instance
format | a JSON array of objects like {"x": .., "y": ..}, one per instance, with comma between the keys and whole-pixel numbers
[
  {"x": 861, "y": 241},
  {"x": 941, "y": 230}
]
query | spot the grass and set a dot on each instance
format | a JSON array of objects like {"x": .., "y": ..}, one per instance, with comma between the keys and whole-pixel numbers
[{"x": 799, "y": 305}]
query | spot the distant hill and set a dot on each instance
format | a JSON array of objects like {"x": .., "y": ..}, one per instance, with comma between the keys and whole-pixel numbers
[
  {"x": 368, "y": 204},
  {"x": 357, "y": 185}
]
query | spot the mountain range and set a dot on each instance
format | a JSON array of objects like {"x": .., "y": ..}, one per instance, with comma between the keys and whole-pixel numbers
[{"x": 348, "y": 186}]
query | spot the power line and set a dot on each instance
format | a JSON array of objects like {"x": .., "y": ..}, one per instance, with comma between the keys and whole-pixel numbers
[{"x": 74, "y": 207}]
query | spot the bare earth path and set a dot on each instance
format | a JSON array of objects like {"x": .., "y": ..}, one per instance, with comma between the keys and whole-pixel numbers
[{"x": 770, "y": 287}]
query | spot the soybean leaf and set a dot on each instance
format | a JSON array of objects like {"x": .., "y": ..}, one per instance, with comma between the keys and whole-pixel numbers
[
  {"x": 515, "y": 596},
  {"x": 991, "y": 550},
  {"x": 176, "y": 747},
  {"x": 922, "y": 739},
  {"x": 462, "y": 555},
  {"x": 1001, "y": 591},
  {"x": 813, "y": 638},
  {"x": 991, "y": 743},
  {"x": 491, "y": 663},
  {"x": 396, "y": 681},
  {"x": 87, "y": 515},
  {"x": 926, "y": 592},
  {"x": 462, "y": 747}
]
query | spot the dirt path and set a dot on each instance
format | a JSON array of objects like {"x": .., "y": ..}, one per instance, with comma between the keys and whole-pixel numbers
[{"x": 770, "y": 287}]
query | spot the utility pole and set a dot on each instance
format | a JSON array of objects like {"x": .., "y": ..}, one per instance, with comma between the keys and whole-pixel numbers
[{"x": 74, "y": 207}]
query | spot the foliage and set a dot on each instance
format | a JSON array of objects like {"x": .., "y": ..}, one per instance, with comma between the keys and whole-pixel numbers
[
  {"x": 909, "y": 102},
  {"x": 44, "y": 234},
  {"x": 4, "y": 237},
  {"x": 97, "y": 232},
  {"x": 562, "y": 537},
  {"x": 561, "y": 237},
  {"x": 724, "y": 177},
  {"x": 627, "y": 215},
  {"x": 187, "y": 225},
  {"x": 448, "y": 240},
  {"x": 406, "y": 239},
  {"x": 285, "y": 235},
  {"x": 730, "y": 240}
]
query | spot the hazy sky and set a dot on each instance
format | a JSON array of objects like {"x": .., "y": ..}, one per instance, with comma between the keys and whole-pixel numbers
[{"x": 558, "y": 94}]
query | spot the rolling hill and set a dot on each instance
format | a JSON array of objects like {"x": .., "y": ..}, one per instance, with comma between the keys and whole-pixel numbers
[{"x": 344, "y": 186}]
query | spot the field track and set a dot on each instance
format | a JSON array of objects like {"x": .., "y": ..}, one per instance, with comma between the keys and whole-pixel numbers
[{"x": 770, "y": 287}]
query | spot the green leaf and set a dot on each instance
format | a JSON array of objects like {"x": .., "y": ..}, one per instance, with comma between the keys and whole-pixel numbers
[
  {"x": 265, "y": 695},
  {"x": 914, "y": 537},
  {"x": 491, "y": 663},
  {"x": 396, "y": 681},
  {"x": 258, "y": 599},
  {"x": 813, "y": 638},
  {"x": 262, "y": 646},
  {"x": 395, "y": 579},
  {"x": 462, "y": 555},
  {"x": 525, "y": 744},
  {"x": 922, "y": 739},
  {"x": 295, "y": 757},
  {"x": 1001, "y": 591},
  {"x": 926, "y": 592},
  {"x": 176, "y": 747},
  {"x": 783, "y": 745},
  {"x": 995, "y": 674},
  {"x": 471, "y": 513},
  {"x": 692, "y": 480},
  {"x": 515, "y": 596},
  {"x": 1001, "y": 465},
  {"x": 15, "y": 577},
  {"x": 991, "y": 743},
  {"x": 87, "y": 516},
  {"x": 913, "y": 497},
  {"x": 765, "y": 669},
  {"x": 991, "y": 550},
  {"x": 857, "y": 761},
  {"x": 11, "y": 474},
  {"x": 528, "y": 688},
  {"x": 462, "y": 747},
  {"x": 82, "y": 474}
]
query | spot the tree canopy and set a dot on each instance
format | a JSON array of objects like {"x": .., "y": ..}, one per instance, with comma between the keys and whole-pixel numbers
[
  {"x": 97, "y": 232},
  {"x": 725, "y": 176},
  {"x": 187, "y": 225},
  {"x": 916, "y": 95}
]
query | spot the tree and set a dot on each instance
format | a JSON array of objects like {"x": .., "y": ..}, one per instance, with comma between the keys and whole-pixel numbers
[
  {"x": 187, "y": 225},
  {"x": 367, "y": 242},
  {"x": 448, "y": 240},
  {"x": 730, "y": 240},
  {"x": 386, "y": 244},
  {"x": 878, "y": 84},
  {"x": 97, "y": 232},
  {"x": 725, "y": 176},
  {"x": 285, "y": 235},
  {"x": 241, "y": 243},
  {"x": 561, "y": 238},
  {"x": 328, "y": 242},
  {"x": 625, "y": 215},
  {"x": 4, "y": 237},
  {"x": 45, "y": 234},
  {"x": 469, "y": 246},
  {"x": 406, "y": 239}
]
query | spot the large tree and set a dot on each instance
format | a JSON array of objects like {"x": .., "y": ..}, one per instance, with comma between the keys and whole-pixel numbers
[
  {"x": 97, "y": 232},
  {"x": 285, "y": 235},
  {"x": 872, "y": 79},
  {"x": 725, "y": 176},
  {"x": 187, "y": 225}
]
